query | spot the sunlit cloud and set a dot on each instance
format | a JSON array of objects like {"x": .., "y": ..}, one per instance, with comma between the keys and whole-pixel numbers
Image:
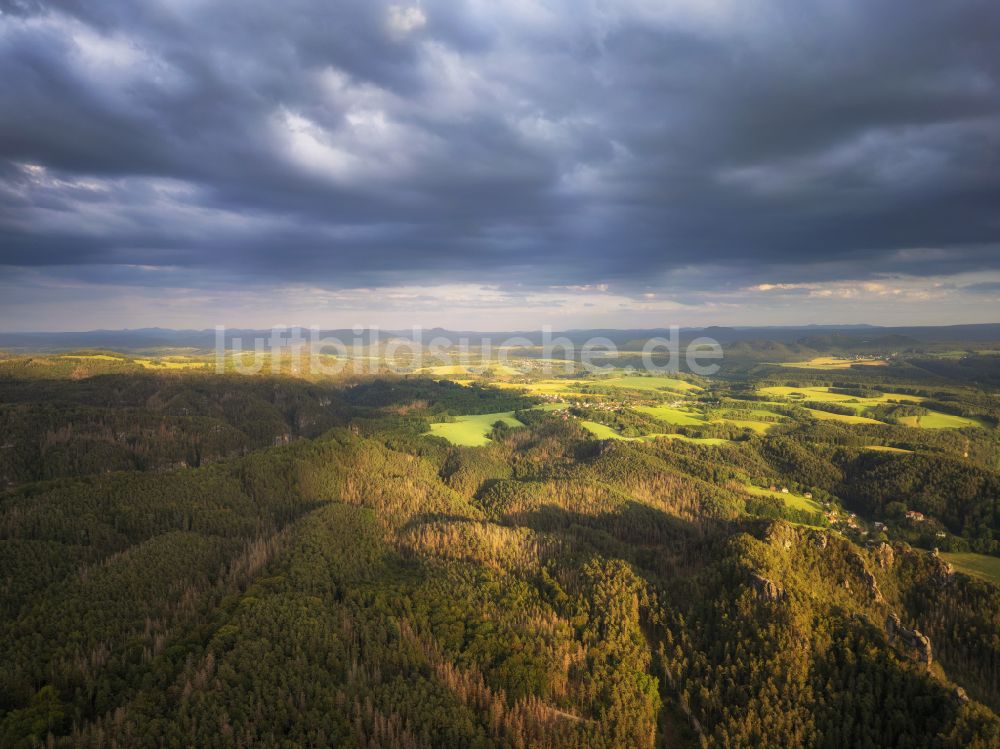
[{"x": 618, "y": 162}]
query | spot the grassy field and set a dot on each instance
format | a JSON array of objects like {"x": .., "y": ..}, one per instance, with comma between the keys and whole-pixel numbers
[
  {"x": 596, "y": 389},
  {"x": 640, "y": 382},
  {"x": 562, "y": 388},
  {"x": 760, "y": 427},
  {"x": 685, "y": 438},
  {"x": 550, "y": 407},
  {"x": 832, "y": 362},
  {"x": 757, "y": 412},
  {"x": 887, "y": 449},
  {"x": 446, "y": 369},
  {"x": 932, "y": 420},
  {"x": 938, "y": 420},
  {"x": 672, "y": 415},
  {"x": 846, "y": 418},
  {"x": 501, "y": 369},
  {"x": 164, "y": 362},
  {"x": 463, "y": 370},
  {"x": 94, "y": 357},
  {"x": 601, "y": 431},
  {"x": 824, "y": 394},
  {"x": 978, "y": 565},
  {"x": 604, "y": 432},
  {"x": 582, "y": 388},
  {"x": 171, "y": 364},
  {"x": 807, "y": 393},
  {"x": 795, "y": 501},
  {"x": 471, "y": 431},
  {"x": 755, "y": 422}
]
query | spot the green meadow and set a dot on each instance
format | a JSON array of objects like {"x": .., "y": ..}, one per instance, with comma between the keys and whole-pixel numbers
[
  {"x": 685, "y": 438},
  {"x": 94, "y": 357},
  {"x": 472, "y": 431},
  {"x": 604, "y": 432},
  {"x": 760, "y": 427},
  {"x": 640, "y": 382},
  {"x": 495, "y": 368},
  {"x": 559, "y": 388},
  {"x": 551, "y": 407},
  {"x": 978, "y": 565},
  {"x": 832, "y": 362},
  {"x": 173, "y": 363},
  {"x": 682, "y": 417},
  {"x": 795, "y": 501},
  {"x": 846, "y": 418},
  {"x": 599, "y": 388},
  {"x": 672, "y": 415},
  {"x": 932, "y": 420},
  {"x": 447, "y": 369},
  {"x": 758, "y": 412},
  {"x": 938, "y": 420},
  {"x": 823, "y": 394}
]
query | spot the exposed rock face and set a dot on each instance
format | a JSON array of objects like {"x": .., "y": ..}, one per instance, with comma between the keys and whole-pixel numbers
[
  {"x": 782, "y": 535},
  {"x": 914, "y": 643},
  {"x": 785, "y": 536},
  {"x": 960, "y": 695},
  {"x": 867, "y": 579},
  {"x": 766, "y": 589},
  {"x": 943, "y": 572},
  {"x": 820, "y": 540},
  {"x": 872, "y": 585},
  {"x": 885, "y": 555}
]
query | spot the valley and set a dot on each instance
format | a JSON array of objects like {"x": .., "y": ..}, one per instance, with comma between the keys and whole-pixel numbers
[{"x": 471, "y": 554}]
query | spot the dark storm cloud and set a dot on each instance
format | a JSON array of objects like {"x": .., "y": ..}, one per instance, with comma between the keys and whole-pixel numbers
[
  {"x": 355, "y": 143},
  {"x": 987, "y": 287}
]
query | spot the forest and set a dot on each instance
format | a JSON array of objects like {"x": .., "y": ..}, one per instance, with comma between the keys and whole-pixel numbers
[{"x": 192, "y": 559}]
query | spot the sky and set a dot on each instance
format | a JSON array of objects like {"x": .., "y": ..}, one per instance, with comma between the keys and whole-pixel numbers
[{"x": 498, "y": 164}]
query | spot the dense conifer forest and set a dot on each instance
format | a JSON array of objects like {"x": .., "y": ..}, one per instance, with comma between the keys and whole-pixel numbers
[{"x": 190, "y": 559}]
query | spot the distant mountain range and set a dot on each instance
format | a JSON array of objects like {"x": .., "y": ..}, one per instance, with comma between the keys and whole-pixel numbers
[{"x": 780, "y": 340}]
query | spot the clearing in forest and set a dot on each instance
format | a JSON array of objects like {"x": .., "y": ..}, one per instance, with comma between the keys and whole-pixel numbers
[{"x": 472, "y": 431}]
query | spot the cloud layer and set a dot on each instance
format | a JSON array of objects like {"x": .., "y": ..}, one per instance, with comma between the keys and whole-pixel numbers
[{"x": 689, "y": 150}]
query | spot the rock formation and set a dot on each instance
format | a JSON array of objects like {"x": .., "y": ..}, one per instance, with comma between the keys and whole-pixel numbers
[
  {"x": 912, "y": 642},
  {"x": 766, "y": 589},
  {"x": 885, "y": 555}
]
